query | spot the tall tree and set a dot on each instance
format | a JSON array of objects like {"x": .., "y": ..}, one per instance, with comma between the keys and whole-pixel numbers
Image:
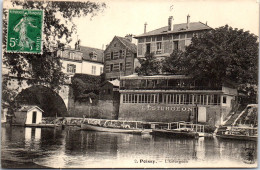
[
  {"x": 175, "y": 64},
  {"x": 148, "y": 65},
  {"x": 57, "y": 31},
  {"x": 84, "y": 84},
  {"x": 223, "y": 53}
]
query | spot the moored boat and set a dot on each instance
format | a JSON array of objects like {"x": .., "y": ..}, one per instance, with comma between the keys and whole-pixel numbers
[
  {"x": 179, "y": 130},
  {"x": 38, "y": 125},
  {"x": 239, "y": 137},
  {"x": 240, "y": 133},
  {"x": 175, "y": 133},
  {"x": 85, "y": 126}
]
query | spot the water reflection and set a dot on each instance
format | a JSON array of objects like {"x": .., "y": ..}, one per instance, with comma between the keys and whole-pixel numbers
[{"x": 72, "y": 148}]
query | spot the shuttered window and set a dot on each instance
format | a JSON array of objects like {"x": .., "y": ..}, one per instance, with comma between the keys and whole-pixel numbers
[{"x": 140, "y": 49}]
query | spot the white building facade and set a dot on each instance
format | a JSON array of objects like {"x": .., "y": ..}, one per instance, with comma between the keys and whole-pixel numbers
[{"x": 82, "y": 60}]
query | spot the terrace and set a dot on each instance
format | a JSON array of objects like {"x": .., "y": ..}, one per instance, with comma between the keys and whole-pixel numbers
[{"x": 172, "y": 82}]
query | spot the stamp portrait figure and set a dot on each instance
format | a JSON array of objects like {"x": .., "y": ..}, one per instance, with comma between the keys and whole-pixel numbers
[
  {"x": 24, "y": 34},
  {"x": 21, "y": 27}
]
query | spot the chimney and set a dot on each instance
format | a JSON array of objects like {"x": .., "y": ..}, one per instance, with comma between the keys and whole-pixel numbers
[
  {"x": 129, "y": 37},
  {"x": 145, "y": 27},
  {"x": 170, "y": 26},
  {"x": 77, "y": 45},
  {"x": 188, "y": 21}
]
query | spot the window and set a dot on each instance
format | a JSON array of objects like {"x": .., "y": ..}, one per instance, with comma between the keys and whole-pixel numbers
[
  {"x": 121, "y": 66},
  {"x": 167, "y": 37},
  {"x": 224, "y": 99},
  {"x": 120, "y": 54},
  {"x": 175, "y": 45},
  {"x": 148, "y": 48},
  {"x": 71, "y": 68},
  {"x": 176, "y": 36},
  {"x": 115, "y": 45},
  {"x": 141, "y": 40},
  {"x": 140, "y": 49},
  {"x": 72, "y": 56},
  {"x": 93, "y": 55},
  {"x": 189, "y": 35},
  {"x": 122, "y": 83},
  {"x": 140, "y": 98},
  {"x": 112, "y": 55},
  {"x": 111, "y": 67},
  {"x": 93, "y": 71},
  {"x": 101, "y": 70},
  {"x": 159, "y": 38},
  {"x": 159, "y": 46},
  {"x": 181, "y": 45},
  {"x": 148, "y": 39},
  {"x": 182, "y": 36}
]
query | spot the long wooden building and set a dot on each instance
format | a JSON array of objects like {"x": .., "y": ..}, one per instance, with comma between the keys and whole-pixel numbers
[{"x": 169, "y": 98}]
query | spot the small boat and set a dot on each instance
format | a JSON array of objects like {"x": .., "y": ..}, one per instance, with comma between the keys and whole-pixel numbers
[
  {"x": 240, "y": 133},
  {"x": 85, "y": 126},
  {"x": 239, "y": 137},
  {"x": 39, "y": 125},
  {"x": 175, "y": 133}
]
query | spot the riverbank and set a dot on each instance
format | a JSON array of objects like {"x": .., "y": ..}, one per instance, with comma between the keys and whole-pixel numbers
[{"x": 8, "y": 164}]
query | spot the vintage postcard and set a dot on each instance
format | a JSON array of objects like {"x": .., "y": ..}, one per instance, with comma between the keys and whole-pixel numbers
[{"x": 129, "y": 84}]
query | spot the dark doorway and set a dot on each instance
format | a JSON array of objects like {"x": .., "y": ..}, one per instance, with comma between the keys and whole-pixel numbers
[
  {"x": 34, "y": 117},
  {"x": 148, "y": 48}
]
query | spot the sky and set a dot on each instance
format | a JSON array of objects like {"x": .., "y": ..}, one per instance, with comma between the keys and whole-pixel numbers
[{"x": 123, "y": 17}]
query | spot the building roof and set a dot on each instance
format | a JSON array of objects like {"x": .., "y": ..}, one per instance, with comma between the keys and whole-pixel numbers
[
  {"x": 115, "y": 82},
  {"x": 27, "y": 108},
  {"x": 177, "y": 28},
  {"x": 135, "y": 76},
  {"x": 132, "y": 47},
  {"x": 88, "y": 50}
]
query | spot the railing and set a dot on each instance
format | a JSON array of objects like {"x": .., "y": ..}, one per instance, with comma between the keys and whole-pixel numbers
[
  {"x": 186, "y": 126},
  {"x": 248, "y": 131},
  {"x": 171, "y": 88},
  {"x": 180, "y": 126}
]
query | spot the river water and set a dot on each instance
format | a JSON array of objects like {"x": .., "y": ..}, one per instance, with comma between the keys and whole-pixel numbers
[{"x": 72, "y": 148}]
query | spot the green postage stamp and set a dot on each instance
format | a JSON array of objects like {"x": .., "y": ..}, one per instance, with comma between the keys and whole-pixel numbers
[{"x": 24, "y": 34}]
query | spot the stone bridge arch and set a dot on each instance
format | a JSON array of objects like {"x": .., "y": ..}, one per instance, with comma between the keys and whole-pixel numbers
[{"x": 51, "y": 102}]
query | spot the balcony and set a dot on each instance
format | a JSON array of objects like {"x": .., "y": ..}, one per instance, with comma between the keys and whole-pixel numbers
[{"x": 170, "y": 88}]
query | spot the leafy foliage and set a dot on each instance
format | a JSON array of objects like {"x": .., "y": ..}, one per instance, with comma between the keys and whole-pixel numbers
[
  {"x": 46, "y": 69},
  {"x": 223, "y": 54},
  {"x": 149, "y": 65},
  {"x": 84, "y": 84},
  {"x": 8, "y": 97},
  {"x": 58, "y": 29},
  {"x": 175, "y": 64},
  {"x": 249, "y": 93},
  {"x": 217, "y": 56}
]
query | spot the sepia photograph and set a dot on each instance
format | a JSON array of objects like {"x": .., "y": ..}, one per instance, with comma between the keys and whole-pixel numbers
[{"x": 129, "y": 84}]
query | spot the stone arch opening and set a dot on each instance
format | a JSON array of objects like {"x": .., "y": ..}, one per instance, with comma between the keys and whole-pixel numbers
[{"x": 48, "y": 100}]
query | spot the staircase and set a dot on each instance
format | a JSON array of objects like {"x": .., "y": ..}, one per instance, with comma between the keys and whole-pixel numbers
[{"x": 235, "y": 115}]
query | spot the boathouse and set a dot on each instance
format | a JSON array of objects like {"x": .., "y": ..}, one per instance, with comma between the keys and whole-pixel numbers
[
  {"x": 28, "y": 114},
  {"x": 170, "y": 98},
  {"x": 109, "y": 99}
]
